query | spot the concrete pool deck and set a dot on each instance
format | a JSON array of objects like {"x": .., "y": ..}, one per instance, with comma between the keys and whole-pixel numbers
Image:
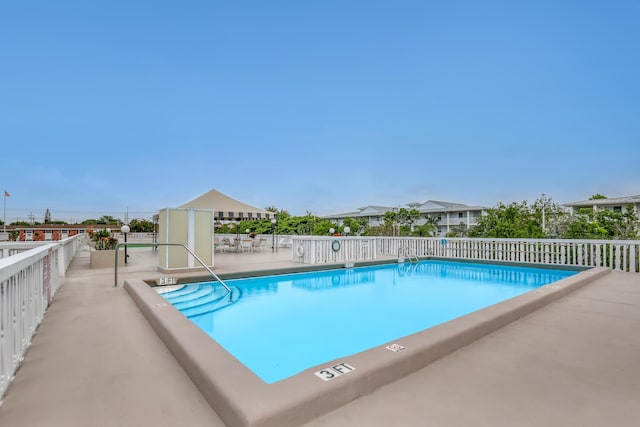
[{"x": 95, "y": 360}]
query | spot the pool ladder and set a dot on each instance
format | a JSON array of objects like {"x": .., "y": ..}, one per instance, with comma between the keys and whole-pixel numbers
[{"x": 404, "y": 253}]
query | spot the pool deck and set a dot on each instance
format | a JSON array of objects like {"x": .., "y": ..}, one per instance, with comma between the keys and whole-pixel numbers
[{"x": 95, "y": 360}]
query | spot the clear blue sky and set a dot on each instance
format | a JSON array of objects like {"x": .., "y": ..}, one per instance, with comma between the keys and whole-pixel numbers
[{"x": 320, "y": 106}]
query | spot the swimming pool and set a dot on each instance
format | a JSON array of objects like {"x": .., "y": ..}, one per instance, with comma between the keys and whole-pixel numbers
[{"x": 281, "y": 325}]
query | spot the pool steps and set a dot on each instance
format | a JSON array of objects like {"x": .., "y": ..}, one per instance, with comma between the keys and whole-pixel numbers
[{"x": 201, "y": 299}]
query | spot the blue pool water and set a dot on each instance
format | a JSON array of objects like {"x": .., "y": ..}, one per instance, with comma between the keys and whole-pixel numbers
[{"x": 280, "y": 325}]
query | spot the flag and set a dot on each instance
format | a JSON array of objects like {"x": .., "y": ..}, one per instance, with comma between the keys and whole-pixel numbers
[{"x": 6, "y": 194}]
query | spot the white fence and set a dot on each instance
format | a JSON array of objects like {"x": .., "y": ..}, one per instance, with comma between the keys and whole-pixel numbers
[
  {"x": 319, "y": 250},
  {"x": 68, "y": 248},
  {"x": 29, "y": 279},
  {"x": 620, "y": 255}
]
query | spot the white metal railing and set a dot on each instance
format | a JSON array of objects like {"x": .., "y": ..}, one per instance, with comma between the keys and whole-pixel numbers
[
  {"x": 28, "y": 281},
  {"x": 619, "y": 255},
  {"x": 8, "y": 249},
  {"x": 319, "y": 250},
  {"x": 68, "y": 250}
]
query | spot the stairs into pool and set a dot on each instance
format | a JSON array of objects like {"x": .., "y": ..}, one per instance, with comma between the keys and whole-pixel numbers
[{"x": 201, "y": 298}]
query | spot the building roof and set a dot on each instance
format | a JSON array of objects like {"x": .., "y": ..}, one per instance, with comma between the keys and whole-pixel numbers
[
  {"x": 426, "y": 207},
  {"x": 626, "y": 200},
  {"x": 440, "y": 206},
  {"x": 361, "y": 212},
  {"x": 218, "y": 202}
]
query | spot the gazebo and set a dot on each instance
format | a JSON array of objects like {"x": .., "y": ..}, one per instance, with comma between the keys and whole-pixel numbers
[{"x": 226, "y": 208}]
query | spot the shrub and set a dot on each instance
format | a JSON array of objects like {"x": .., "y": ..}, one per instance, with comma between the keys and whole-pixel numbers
[{"x": 103, "y": 240}]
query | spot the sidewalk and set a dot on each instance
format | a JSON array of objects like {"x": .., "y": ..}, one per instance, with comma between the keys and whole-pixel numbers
[{"x": 95, "y": 361}]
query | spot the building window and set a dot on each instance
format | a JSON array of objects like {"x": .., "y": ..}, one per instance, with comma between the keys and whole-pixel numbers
[
  {"x": 460, "y": 214},
  {"x": 230, "y": 214},
  {"x": 240, "y": 214},
  {"x": 266, "y": 215},
  {"x": 220, "y": 215},
  {"x": 250, "y": 214},
  {"x": 259, "y": 215},
  {"x": 617, "y": 208}
]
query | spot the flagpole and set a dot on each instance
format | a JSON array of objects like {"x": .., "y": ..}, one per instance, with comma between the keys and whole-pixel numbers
[{"x": 4, "y": 218}]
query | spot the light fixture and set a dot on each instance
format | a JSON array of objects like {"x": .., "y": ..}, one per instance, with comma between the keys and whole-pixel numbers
[
  {"x": 125, "y": 229},
  {"x": 274, "y": 221}
]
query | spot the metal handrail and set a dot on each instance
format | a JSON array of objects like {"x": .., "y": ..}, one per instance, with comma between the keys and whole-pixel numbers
[
  {"x": 406, "y": 253},
  {"x": 147, "y": 245}
]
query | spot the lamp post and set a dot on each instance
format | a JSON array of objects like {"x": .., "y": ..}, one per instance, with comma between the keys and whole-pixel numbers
[
  {"x": 347, "y": 229},
  {"x": 331, "y": 231},
  {"x": 274, "y": 222},
  {"x": 125, "y": 229}
]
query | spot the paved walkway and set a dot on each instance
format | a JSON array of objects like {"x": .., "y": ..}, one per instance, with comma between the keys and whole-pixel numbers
[
  {"x": 575, "y": 362},
  {"x": 95, "y": 361}
]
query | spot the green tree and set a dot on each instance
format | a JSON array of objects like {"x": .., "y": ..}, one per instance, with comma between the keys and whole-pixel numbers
[
  {"x": 358, "y": 226},
  {"x": 516, "y": 220},
  {"x": 141, "y": 226},
  {"x": 460, "y": 230},
  {"x": 581, "y": 227},
  {"x": 322, "y": 227},
  {"x": 550, "y": 215},
  {"x": 424, "y": 230},
  {"x": 430, "y": 226},
  {"x": 603, "y": 224},
  {"x": 103, "y": 220},
  {"x": 390, "y": 221}
]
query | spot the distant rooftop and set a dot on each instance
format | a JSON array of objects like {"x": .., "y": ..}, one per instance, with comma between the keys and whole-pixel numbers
[
  {"x": 426, "y": 207},
  {"x": 626, "y": 200}
]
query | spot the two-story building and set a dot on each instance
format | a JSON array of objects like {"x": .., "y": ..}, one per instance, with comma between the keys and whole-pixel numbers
[
  {"x": 447, "y": 214},
  {"x": 616, "y": 204}
]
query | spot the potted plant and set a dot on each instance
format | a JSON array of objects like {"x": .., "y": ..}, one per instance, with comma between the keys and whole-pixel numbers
[{"x": 103, "y": 252}]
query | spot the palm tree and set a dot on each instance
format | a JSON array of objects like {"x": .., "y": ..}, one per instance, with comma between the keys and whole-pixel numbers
[{"x": 432, "y": 222}]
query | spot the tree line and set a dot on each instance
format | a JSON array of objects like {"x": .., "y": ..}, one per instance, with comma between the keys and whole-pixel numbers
[{"x": 541, "y": 219}]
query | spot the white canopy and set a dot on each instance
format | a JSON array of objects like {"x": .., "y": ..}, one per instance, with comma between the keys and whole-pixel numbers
[{"x": 225, "y": 208}]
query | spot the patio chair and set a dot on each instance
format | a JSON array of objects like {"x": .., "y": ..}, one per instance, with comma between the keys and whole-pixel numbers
[
  {"x": 226, "y": 244},
  {"x": 256, "y": 244},
  {"x": 245, "y": 245}
]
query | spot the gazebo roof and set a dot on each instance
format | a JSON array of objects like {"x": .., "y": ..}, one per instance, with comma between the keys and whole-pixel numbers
[{"x": 218, "y": 202}]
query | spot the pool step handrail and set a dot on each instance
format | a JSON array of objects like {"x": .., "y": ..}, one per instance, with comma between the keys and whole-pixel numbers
[
  {"x": 146, "y": 245},
  {"x": 405, "y": 253}
]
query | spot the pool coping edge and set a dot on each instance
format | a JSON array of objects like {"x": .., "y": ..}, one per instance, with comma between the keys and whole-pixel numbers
[{"x": 240, "y": 398}]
